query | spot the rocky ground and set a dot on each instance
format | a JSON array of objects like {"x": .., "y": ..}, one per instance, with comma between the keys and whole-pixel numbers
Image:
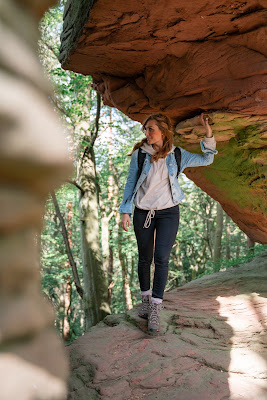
[{"x": 213, "y": 345}]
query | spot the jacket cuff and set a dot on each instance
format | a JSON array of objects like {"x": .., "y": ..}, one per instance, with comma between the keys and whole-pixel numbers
[
  {"x": 126, "y": 208},
  {"x": 208, "y": 147}
]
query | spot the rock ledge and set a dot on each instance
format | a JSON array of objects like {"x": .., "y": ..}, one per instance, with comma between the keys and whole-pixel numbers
[{"x": 213, "y": 346}]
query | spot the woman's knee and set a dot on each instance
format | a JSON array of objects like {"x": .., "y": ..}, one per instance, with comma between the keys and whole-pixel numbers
[
  {"x": 145, "y": 260},
  {"x": 162, "y": 260}
]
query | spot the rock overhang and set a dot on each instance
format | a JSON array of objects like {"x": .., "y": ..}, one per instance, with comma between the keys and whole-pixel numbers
[
  {"x": 181, "y": 59},
  {"x": 212, "y": 344}
]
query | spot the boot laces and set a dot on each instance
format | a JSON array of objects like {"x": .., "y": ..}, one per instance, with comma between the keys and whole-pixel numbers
[
  {"x": 154, "y": 314},
  {"x": 145, "y": 304}
]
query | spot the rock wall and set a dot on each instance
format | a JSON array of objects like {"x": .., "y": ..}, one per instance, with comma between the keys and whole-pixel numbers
[
  {"x": 176, "y": 58},
  {"x": 181, "y": 59},
  {"x": 213, "y": 346},
  {"x": 238, "y": 176},
  {"x": 33, "y": 161}
]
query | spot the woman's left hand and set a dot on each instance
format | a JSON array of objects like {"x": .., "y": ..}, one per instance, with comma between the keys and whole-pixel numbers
[{"x": 205, "y": 123}]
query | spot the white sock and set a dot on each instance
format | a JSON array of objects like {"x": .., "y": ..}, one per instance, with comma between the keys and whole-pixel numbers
[
  {"x": 155, "y": 300},
  {"x": 146, "y": 293}
]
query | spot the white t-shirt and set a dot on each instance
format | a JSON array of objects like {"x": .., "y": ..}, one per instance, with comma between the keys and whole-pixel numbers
[{"x": 155, "y": 191}]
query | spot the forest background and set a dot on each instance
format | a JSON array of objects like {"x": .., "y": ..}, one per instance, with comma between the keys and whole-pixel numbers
[{"x": 88, "y": 264}]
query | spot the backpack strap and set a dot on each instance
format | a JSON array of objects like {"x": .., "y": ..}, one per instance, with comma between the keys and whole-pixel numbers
[
  {"x": 142, "y": 156},
  {"x": 177, "y": 153},
  {"x": 141, "y": 159}
]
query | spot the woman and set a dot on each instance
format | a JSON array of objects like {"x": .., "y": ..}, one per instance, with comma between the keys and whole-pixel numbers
[{"x": 156, "y": 194}]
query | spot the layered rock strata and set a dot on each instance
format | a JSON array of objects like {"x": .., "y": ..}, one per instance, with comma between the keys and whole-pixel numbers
[
  {"x": 175, "y": 58},
  {"x": 181, "y": 59},
  {"x": 213, "y": 346}
]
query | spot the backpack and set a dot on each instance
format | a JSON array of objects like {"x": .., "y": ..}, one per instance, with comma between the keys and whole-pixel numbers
[{"x": 141, "y": 159}]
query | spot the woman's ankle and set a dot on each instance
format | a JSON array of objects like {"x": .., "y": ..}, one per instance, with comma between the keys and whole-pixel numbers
[
  {"x": 156, "y": 300},
  {"x": 146, "y": 293}
]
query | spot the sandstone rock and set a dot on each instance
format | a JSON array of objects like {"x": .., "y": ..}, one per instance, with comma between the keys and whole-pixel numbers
[
  {"x": 237, "y": 178},
  {"x": 181, "y": 59},
  {"x": 24, "y": 381},
  {"x": 33, "y": 161},
  {"x": 213, "y": 346},
  {"x": 172, "y": 58}
]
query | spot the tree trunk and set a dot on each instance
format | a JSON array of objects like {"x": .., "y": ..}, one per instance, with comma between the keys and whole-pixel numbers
[
  {"x": 95, "y": 279},
  {"x": 105, "y": 241},
  {"x": 203, "y": 258},
  {"x": 66, "y": 234},
  {"x": 107, "y": 252},
  {"x": 112, "y": 205},
  {"x": 67, "y": 286},
  {"x": 66, "y": 332},
  {"x": 209, "y": 225},
  {"x": 218, "y": 235},
  {"x": 124, "y": 269},
  {"x": 228, "y": 237},
  {"x": 133, "y": 266},
  {"x": 238, "y": 244},
  {"x": 250, "y": 245},
  {"x": 110, "y": 269}
]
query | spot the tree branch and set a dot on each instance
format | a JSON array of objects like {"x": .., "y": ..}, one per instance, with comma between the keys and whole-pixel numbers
[
  {"x": 77, "y": 185},
  {"x": 50, "y": 48},
  {"x": 110, "y": 215},
  {"x": 59, "y": 107},
  {"x": 68, "y": 249},
  {"x": 96, "y": 129}
]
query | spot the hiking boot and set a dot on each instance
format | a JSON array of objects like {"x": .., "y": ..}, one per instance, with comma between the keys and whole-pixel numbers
[
  {"x": 144, "y": 309},
  {"x": 153, "y": 318}
]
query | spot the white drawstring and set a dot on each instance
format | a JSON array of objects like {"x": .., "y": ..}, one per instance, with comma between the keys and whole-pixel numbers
[{"x": 150, "y": 215}]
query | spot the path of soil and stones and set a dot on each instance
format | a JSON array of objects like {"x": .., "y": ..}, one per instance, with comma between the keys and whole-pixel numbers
[{"x": 213, "y": 346}]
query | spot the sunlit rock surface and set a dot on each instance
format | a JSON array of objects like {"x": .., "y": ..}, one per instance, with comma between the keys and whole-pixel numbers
[
  {"x": 182, "y": 58},
  {"x": 213, "y": 347}
]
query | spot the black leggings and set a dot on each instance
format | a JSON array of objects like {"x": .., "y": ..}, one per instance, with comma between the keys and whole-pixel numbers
[{"x": 164, "y": 227}]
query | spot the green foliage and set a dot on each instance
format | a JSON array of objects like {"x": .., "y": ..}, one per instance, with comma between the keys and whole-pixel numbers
[
  {"x": 223, "y": 264},
  {"x": 55, "y": 269}
]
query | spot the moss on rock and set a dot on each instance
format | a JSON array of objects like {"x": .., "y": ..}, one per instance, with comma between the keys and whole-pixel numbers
[{"x": 239, "y": 169}]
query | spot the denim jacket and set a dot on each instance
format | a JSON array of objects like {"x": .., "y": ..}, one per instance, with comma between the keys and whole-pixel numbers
[{"x": 187, "y": 160}]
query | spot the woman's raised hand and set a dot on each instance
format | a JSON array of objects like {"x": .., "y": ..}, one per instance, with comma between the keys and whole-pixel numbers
[
  {"x": 205, "y": 123},
  {"x": 125, "y": 221}
]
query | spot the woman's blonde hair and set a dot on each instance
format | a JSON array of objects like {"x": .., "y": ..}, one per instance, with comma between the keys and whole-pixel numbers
[{"x": 165, "y": 125}]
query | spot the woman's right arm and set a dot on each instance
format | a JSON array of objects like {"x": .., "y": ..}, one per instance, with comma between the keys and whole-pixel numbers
[{"x": 126, "y": 205}]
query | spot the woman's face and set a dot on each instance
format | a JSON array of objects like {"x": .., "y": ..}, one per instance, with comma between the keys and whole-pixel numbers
[{"x": 153, "y": 133}]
